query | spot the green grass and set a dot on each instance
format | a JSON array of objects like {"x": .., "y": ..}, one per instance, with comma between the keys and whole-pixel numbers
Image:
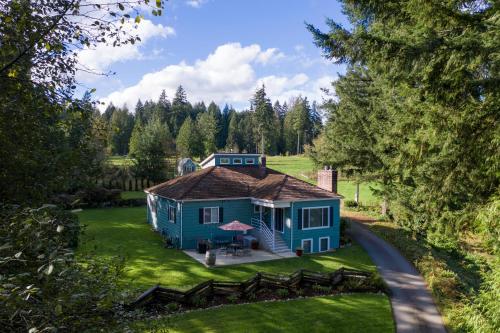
[
  {"x": 124, "y": 231},
  {"x": 133, "y": 195},
  {"x": 346, "y": 313},
  {"x": 302, "y": 167},
  {"x": 119, "y": 160}
]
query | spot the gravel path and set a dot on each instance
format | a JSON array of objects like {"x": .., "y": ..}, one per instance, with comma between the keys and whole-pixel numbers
[{"x": 413, "y": 308}]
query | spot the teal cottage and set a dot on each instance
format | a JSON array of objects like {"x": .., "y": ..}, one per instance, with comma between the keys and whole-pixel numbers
[{"x": 285, "y": 212}]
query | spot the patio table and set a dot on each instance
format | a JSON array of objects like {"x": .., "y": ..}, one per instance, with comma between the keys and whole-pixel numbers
[{"x": 234, "y": 247}]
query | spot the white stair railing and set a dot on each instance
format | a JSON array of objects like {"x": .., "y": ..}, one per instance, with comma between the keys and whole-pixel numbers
[{"x": 264, "y": 230}]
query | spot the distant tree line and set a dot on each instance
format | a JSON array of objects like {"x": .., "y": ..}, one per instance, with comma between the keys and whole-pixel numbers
[{"x": 157, "y": 129}]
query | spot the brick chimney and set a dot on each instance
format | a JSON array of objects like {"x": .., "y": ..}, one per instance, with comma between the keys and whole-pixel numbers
[{"x": 327, "y": 179}]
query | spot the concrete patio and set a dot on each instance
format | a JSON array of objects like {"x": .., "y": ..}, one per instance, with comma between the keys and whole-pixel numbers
[{"x": 225, "y": 260}]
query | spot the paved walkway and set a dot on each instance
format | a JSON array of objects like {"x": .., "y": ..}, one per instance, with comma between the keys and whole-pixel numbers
[{"x": 412, "y": 304}]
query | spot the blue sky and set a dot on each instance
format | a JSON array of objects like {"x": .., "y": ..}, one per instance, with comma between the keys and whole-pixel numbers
[{"x": 219, "y": 50}]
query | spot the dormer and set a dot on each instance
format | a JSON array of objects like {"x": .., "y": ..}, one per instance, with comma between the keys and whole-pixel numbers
[{"x": 231, "y": 159}]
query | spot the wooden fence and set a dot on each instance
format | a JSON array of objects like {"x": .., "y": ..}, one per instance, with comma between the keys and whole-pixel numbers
[{"x": 297, "y": 280}]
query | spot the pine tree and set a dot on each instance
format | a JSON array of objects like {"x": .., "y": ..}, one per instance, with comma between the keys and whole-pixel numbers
[
  {"x": 207, "y": 125},
  {"x": 232, "y": 133},
  {"x": 189, "y": 140},
  {"x": 214, "y": 111},
  {"x": 263, "y": 117},
  {"x": 181, "y": 109}
]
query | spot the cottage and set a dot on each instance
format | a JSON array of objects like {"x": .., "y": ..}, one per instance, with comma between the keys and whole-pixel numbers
[{"x": 285, "y": 212}]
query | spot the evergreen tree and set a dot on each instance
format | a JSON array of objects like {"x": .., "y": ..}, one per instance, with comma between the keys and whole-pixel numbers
[
  {"x": 189, "y": 143},
  {"x": 181, "y": 109},
  {"x": 197, "y": 109},
  {"x": 224, "y": 126},
  {"x": 232, "y": 142},
  {"x": 263, "y": 117},
  {"x": 207, "y": 125},
  {"x": 120, "y": 130},
  {"x": 150, "y": 152},
  {"x": 214, "y": 110}
]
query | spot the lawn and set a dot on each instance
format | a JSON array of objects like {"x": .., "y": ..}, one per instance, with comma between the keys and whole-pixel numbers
[
  {"x": 133, "y": 195},
  {"x": 346, "y": 313},
  {"x": 124, "y": 231},
  {"x": 302, "y": 167}
]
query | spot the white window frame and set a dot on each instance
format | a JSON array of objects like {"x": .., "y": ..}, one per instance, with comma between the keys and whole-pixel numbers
[
  {"x": 225, "y": 161},
  {"x": 211, "y": 215},
  {"x": 237, "y": 159},
  {"x": 250, "y": 161},
  {"x": 170, "y": 210},
  {"x": 312, "y": 228},
  {"x": 305, "y": 240},
  {"x": 327, "y": 246}
]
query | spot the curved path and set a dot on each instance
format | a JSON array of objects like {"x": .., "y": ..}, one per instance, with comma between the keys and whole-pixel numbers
[{"x": 413, "y": 308}]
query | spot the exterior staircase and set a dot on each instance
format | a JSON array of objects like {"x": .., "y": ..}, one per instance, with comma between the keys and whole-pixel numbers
[{"x": 265, "y": 236}]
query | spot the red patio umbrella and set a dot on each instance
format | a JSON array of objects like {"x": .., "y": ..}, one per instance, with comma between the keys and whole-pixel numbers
[{"x": 236, "y": 226}]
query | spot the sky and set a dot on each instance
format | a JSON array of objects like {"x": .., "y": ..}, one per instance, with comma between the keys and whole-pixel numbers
[{"x": 218, "y": 50}]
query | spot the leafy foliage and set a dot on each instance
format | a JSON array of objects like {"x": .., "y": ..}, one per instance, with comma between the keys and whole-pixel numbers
[{"x": 43, "y": 287}]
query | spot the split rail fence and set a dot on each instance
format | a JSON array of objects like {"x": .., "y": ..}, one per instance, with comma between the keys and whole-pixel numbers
[{"x": 299, "y": 279}]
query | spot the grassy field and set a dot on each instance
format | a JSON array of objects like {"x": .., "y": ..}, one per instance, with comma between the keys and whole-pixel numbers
[
  {"x": 346, "y": 313},
  {"x": 133, "y": 195},
  {"x": 124, "y": 231},
  {"x": 300, "y": 167}
]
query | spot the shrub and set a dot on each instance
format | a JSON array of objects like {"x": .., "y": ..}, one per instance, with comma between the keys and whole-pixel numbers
[
  {"x": 299, "y": 292},
  {"x": 350, "y": 203},
  {"x": 44, "y": 288},
  {"x": 172, "y": 307},
  {"x": 252, "y": 297},
  {"x": 199, "y": 301},
  {"x": 232, "y": 298},
  {"x": 344, "y": 225},
  {"x": 283, "y": 293}
]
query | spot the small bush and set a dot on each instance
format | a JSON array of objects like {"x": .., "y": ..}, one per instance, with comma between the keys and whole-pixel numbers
[
  {"x": 321, "y": 289},
  {"x": 252, "y": 297},
  {"x": 199, "y": 301},
  {"x": 299, "y": 292},
  {"x": 232, "y": 298},
  {"x": 283, "y": 293},
  {"x": 350, "y": 203},
  {"x": 172, "y": 307}
]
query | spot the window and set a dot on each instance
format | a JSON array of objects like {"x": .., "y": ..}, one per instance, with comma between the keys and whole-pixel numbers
[
  {"x": 313, "y": 218},
  {"x": 224, "y": 160},
  {"x": 237, "y": 161},
  {"x": 256, "y": 209},
  {"x": 324, "y": 244},
  {"x": 307, "y": 245},
  {"x": 171, "y": 213},
  {"x": 249, "y": 161},
  {"x": 211, "y": 215}
]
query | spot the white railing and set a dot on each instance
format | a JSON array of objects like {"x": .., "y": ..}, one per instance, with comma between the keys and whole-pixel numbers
[{"x": 264, "y": 230}]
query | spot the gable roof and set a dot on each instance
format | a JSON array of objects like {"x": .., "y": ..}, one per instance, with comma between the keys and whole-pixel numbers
[{"x": 226, "y": 182}]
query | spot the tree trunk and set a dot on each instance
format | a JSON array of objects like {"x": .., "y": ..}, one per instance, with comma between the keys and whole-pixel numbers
[
  {"x": 385, "y": 207},
  {"x": 298, "y": 143},
  {"x": 356, "y": 194}
]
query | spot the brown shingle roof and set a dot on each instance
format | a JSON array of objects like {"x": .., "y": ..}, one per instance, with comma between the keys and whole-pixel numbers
[{"x": 219, "y": 182}]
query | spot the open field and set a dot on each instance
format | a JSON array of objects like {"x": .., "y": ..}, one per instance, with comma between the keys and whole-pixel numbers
[
  {"x": 124, "y": 231},
  {"x": 346, "y": 313},
  {"x": 300, "y": 167}
]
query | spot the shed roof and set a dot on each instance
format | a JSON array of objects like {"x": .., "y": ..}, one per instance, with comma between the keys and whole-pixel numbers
[{"x": 225, "y": 182}]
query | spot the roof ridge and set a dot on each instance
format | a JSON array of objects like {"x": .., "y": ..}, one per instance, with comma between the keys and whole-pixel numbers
[
  {"x": 197, "y": 182},
  {"x": 280, "y": 186}
]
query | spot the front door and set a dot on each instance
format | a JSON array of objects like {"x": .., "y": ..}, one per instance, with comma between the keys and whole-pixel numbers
[{"x": 278, "y": 219}]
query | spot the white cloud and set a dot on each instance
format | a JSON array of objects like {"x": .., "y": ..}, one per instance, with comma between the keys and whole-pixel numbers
[
  {"x": 270, "y": 55},
  {"x": 99, "y": 59},
  {"x": 226, "y": 76},
  {"x": 196, "y": 3}
]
